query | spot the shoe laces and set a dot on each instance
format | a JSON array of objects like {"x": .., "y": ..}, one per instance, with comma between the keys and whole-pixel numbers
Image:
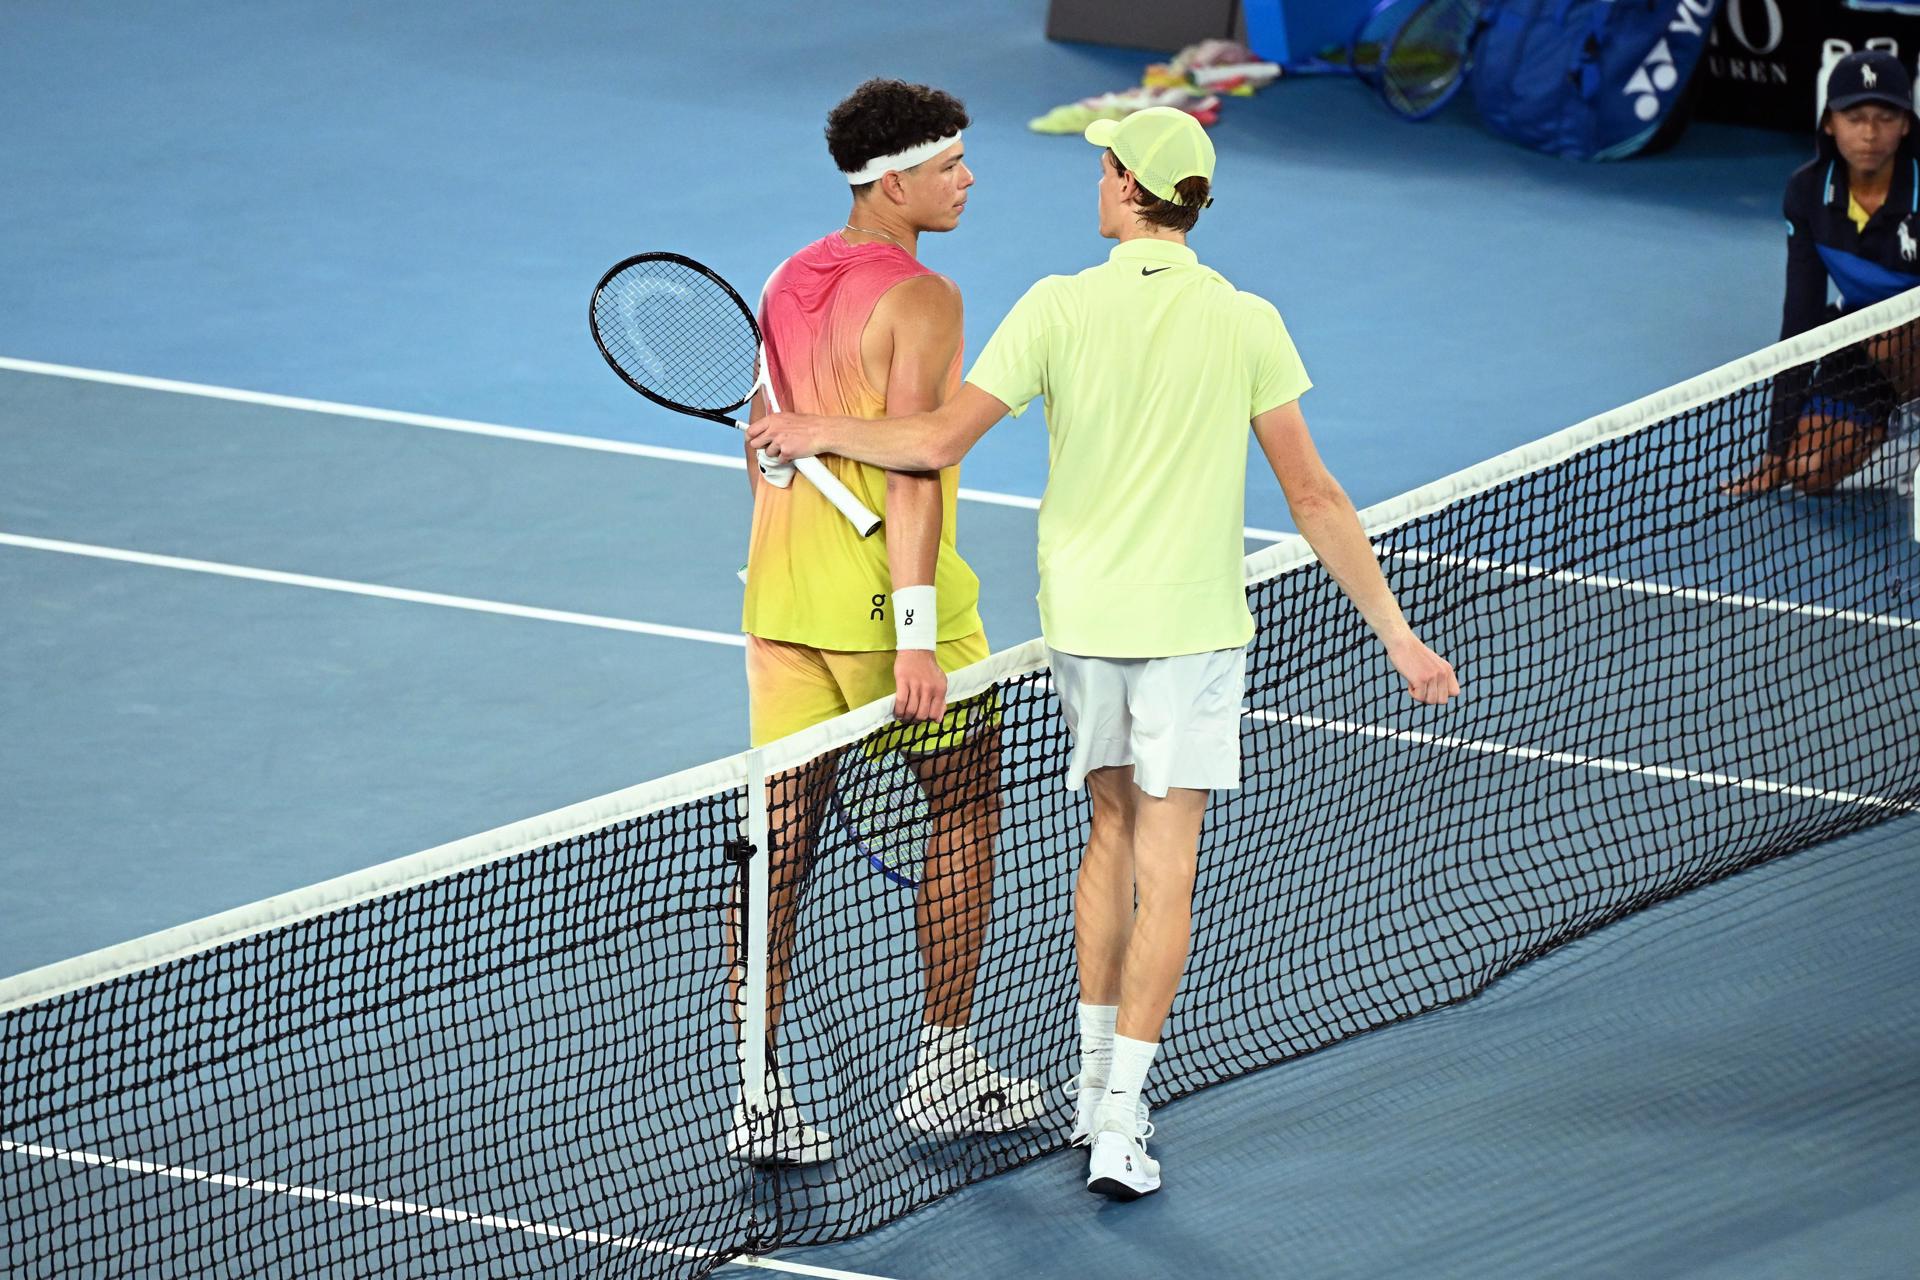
[{"x": 969, "y": 1066}]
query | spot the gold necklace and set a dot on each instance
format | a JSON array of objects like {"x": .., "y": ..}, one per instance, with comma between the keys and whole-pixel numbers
[{"x": 848, "y": 226}]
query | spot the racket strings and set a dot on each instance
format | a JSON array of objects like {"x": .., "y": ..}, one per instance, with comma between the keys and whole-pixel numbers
[
  {"x": 885, "y": 810},
  {"x": 676, "y": 332},
  {"x": 1428, "y": 55},
  {"x": 908, "y": 786}
]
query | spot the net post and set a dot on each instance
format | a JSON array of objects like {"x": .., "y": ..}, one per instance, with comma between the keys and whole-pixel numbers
[{"x": 754, "y": 941}]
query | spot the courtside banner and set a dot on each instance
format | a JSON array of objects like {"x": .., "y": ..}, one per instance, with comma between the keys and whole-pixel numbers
[{"x": 1767, "y": 60}]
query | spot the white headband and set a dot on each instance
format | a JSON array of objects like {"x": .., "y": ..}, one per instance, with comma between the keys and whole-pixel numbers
[{"x": 912, "y": 156}]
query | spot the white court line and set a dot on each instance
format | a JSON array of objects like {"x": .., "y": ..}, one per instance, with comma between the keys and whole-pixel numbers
[
  {"x": 370, "y": 589},
  {"x": 1655, "y": 588},
  {"x": 1605, "y": 764},
  {"x": 738, "y": 462},
  {"x": 697, "y": 457},
  {"x": 403, "y": 1208},
  {"x": 800, "y": 1268},
  {"x": 207, "y": 392}
]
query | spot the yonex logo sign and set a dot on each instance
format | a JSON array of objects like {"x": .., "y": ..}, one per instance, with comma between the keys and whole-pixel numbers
[
  {"x": 1658, "y": 73},
  {"x": 1690, "y": 18},
  {"x": 1656, "y": 76}
]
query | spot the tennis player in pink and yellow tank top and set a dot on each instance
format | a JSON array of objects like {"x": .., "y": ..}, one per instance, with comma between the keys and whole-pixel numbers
[
  {"x": 812, "y": 580},
  {"x": 854, "y": 325}
]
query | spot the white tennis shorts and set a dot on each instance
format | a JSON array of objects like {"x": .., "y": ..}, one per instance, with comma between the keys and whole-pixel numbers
[{"x": 1175, "y": 720}]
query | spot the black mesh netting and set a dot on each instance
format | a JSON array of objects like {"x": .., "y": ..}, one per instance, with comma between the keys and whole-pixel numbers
[{"x": 526, "y": 1069}]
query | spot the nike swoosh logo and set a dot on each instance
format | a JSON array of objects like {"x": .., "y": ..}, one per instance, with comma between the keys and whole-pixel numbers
[{"x": 1153, "y": 271}]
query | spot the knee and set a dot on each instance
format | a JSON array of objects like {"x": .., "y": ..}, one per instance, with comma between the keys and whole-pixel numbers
[
  {"x": 1112, "y": 825},
  {"x": 1112, "y": 820},
  {"x": 1107, "y": 866},
  {"x": 958, "y": 863},
  {"x": 1805, "y": 469},
  {"x": 1107, "y": 863}
]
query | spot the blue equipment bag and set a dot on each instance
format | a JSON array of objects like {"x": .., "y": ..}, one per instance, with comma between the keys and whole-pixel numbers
[{"x": 1588, "y": 79}]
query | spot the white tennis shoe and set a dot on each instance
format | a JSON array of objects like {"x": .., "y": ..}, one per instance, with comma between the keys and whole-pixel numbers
[
  {"x": 1118, "y": 1165},
  {"x": 1085, "y": 1103},
  {"x": 782, "y": 1137},
  {"x": 959, "y": 1092}
]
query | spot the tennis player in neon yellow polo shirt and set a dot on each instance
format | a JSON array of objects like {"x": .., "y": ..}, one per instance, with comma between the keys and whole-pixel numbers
[{"x": 1152, "y": 366}]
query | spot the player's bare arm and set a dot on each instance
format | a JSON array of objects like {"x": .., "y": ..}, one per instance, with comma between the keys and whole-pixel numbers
[
  {"x": 924, "y": 442},
  {"x": 1327, "y": 520},
  {"x": 909, "y": 349}
]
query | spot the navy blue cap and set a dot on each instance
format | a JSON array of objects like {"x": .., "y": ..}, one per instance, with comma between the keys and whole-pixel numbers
[{"x": 1869, "y": 75}]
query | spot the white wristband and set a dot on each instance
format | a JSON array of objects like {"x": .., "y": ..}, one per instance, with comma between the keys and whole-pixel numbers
[{"x": 916, "y": 620}]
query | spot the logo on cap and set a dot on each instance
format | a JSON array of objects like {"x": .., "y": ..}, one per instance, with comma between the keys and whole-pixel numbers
[{"x": 1868, "y": 75}]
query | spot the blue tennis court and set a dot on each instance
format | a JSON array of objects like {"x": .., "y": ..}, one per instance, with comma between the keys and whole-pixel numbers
[{"x": 326, "y": 538}]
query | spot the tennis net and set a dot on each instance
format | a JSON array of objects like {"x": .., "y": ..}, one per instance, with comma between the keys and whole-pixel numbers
[{"x": 514, "y": 1055}]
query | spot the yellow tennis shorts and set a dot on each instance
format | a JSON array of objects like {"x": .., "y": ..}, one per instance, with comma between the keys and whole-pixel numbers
[{"x": 791, "y": 687}]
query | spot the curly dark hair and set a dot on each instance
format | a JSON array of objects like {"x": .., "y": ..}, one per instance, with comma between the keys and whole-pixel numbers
[{"x": 885, "y": 116}]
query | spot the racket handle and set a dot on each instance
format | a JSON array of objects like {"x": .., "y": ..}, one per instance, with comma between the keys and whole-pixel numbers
[
  {"x": 822, "y": 479},
  {"x": 831, "y": 489},
  {"x": 839, "y": 495}
]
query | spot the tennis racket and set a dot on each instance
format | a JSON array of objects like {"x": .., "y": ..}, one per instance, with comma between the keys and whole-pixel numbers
[
  {"x": 880, "y": 797},
  {"x": 882, "y": 807},
  {"x": 1366, "y": 50},
  {"x": 1415, "y": 53},
  {"x": 682, "y": 337},
  {"x": 1426, "y": 59}
]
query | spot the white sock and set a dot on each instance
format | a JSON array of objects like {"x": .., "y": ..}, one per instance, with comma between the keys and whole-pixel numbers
[
  {"x": 1096, "y": 1043},
  {"x": 938, "y": 1042},
  {"x": 1131, "y": 1059}
]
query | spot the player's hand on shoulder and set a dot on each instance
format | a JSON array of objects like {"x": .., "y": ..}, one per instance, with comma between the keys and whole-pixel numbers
[
  {"x": 1429, "y": 676},
  {"x": 919, "y": 686}
]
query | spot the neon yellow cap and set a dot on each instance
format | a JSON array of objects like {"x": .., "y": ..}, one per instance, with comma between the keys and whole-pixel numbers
[{"x": 1161, "y": 146}]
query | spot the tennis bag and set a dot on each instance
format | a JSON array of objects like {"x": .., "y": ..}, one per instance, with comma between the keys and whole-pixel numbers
[{"x": 1588, "y": 79}]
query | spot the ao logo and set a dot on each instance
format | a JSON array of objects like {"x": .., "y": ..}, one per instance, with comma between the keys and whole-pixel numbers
[
  {"x": 1776, "y": 26},
  {"x": 1657, "y": 73}
]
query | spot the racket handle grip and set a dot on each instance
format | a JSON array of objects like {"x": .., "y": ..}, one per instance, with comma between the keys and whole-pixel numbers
[{"x": 839, "y": 495}]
